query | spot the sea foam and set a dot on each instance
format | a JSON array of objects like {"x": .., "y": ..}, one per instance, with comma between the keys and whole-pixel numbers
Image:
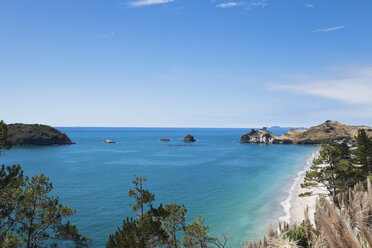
[{"x": 286, "y": 204}]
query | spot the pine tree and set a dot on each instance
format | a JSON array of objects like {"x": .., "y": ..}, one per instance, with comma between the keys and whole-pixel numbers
[{"x": 363, "y": 153}]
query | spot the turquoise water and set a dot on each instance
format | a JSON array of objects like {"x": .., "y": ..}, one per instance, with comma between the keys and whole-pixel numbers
[{"x": 236, "y": 187}]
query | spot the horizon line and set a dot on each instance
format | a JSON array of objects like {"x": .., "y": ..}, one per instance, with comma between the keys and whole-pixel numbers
[{"x": 177, "y": 127}]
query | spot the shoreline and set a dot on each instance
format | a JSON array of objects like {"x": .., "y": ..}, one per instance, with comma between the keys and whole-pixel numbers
[{"x": 294, "y": 206}]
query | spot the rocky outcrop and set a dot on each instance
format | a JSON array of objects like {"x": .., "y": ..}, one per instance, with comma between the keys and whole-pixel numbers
[
  {"x": 258, "y": 137},
  {"x": 109, "y": 142},
  {"x": 189, "y": 138},
  {"x": 327, "y": 132},
  {"x": 36, "y": 135},
  {"x": 165, "y": 140}
]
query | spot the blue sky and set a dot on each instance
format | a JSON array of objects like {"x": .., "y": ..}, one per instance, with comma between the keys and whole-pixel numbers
[{"x": 185, "y": 63}]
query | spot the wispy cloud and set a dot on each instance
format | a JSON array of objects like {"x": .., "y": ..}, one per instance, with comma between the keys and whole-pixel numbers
[
  {"x": 143, "y": 3},
  {"x": 256, "y": 3},
  {"x": 328, "y": 29},
  {"x": 309, "y": 6},
  {"x": 247, "y": 5},
  {"x": 351, "y": 85},
  {"x": 228, "y": 4}
]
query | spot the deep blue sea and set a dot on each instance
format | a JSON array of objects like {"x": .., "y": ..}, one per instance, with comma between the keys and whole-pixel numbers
[{"x": 236, "y": 187}]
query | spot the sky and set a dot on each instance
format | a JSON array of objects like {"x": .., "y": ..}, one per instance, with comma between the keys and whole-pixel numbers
[{"x": 186, "y": 63}]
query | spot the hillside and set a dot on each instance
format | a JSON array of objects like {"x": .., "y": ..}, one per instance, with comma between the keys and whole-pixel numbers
[
  {"x": 328, "y": 131},
  {"x": 36, "y": 135}
]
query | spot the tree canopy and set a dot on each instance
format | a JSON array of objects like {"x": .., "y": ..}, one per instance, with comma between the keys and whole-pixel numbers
[{"x": 29, "y": 215}]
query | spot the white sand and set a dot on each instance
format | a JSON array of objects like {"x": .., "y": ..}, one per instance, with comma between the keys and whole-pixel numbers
[{"x": 299, "y": 204}]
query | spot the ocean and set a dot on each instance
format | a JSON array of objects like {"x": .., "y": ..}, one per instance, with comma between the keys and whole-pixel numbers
[{"x": 237, "y": 187}]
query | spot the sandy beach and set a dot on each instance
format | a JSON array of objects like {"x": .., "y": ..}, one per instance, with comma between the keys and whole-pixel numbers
[{"x": 299, "y": 204}]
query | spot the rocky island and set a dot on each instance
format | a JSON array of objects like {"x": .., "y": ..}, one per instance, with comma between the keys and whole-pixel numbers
[
  {"x": 36, "y": 135},
  {"x": 189, "y": 138},
  {"x": 327, "y": 132}
]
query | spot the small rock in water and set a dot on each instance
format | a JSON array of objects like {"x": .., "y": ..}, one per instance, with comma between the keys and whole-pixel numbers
[
  {"x": 165, "y": 140},
  {"x": 188, "y": 138},
  {"x": 109, "y": 141}
]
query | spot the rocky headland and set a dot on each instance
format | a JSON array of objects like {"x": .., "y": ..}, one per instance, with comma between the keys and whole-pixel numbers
[
  {"x": 327, "y": 132},
  {"x": 36, "y": 135}
]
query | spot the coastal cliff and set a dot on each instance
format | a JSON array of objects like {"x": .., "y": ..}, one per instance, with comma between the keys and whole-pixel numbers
[
  {"x": 327, "y": 132},
  {"x": 258, "y": 136},
  {"x": 36, "y": 135}
]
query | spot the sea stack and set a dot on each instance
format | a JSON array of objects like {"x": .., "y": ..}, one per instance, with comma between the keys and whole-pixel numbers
[{"x": 188, "y": 138}]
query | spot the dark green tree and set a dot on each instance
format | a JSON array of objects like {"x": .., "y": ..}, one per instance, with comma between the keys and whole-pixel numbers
[
  {"x": 139, "y": 233},
  {"x": 344, "y": 149},
  {"x": 142, "y": 197},
  {"x": 146, "y": 230},
  {"x": 12, "y": 181},
  {"x": 347, "y": 175},
  {"x": 197, "y": 234},
  {"x": 363, "y": 152},
  {"x": 41, "y": 216},
  {"x": 174, "y": 222},
  {"x": 161, "y": 226},
  {"x": 127, "y": 236},
  {"x": 4, "y": 143},
  {"x": 324, "y": 174},
  {"x": 29, "y": 216}
]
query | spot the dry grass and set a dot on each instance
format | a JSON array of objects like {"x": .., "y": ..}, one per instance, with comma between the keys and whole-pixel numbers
[{"x": 347, "y": 226}]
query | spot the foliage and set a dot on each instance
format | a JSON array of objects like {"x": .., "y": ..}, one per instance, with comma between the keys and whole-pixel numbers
[
  {"x": 174, "y": 222},
  {"x": 35, "y": 134},
  {"x": 142, "y": 197},
  {"x": 331, "y": 171},
  {"x": 347, "y": 175},
  {"x": 349, "y": 225},
  {"x": 145, "y": 231},
  {"x": 363, "y": 153},
  {"x": 4, "y": 143},
  {"x": 12, "y": 181},
  {"x": 161, "y": 226},
  {"x": 197, "y": 234},
  {"x": 29, "y": 215},
  {"x": 127, "y": 236},
  {"x": 298, "y": 234},
  {"x": 344, "y": 149},
  {"x": 304, "y": 194},
  {"x": 325, "y": 175}
]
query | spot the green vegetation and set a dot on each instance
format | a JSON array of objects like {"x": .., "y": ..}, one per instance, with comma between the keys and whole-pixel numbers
[
  {"x": 346, "y": 222},
  {"x": 35, "y": 135},
  {"x": 29, "y": 216},
  {"x": 161, "y": 226},
  {"x": 337, "y": 168},
  {"x": 325, "y": 175},
  {"x": 4, "y": 143},
  {"x": 297, "y": 234},
  {"x": 363, "y": 153},
  {"x": 348, "y": 225},
  {"x": 330, "y": 132}
]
